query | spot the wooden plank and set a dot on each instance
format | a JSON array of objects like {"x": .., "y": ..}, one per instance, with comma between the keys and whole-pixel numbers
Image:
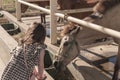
[
  {"x": 6, "y": 44},
  {"x": 86, "y": 71},
  {"x": 51, "y": 47},
  {"x": 30, "y": 13},
  {"x": 18, "y": 10},
  {"x": 9, "y": 42},
  {"x": 99, "y": 52},
  {"x": 2, "y": 65},
  {"x": 4, "y": 52},
  {"x": 109, "y": 67},
  {"x": 1, "y": 4},
  {"x": 109, "y": 41},
  {"x": 53, "y": 21}
]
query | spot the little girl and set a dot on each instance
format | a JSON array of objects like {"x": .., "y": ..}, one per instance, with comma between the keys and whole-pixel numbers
[{"x": 27, "y": 55}]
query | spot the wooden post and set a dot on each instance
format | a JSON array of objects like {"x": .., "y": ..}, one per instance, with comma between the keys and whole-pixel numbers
[
  {"x": 18, "y": 10},
  {"x": 53, "y": 21},
  {"x": 1, "y": 4}
]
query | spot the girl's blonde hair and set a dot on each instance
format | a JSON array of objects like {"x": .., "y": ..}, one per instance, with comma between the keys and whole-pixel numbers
[{"x": 35, "y": 34}]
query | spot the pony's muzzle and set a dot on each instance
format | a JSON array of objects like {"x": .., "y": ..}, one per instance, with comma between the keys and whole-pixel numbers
[{"x": 59, "y": 65}]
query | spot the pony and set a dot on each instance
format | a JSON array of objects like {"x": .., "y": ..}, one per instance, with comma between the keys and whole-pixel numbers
[{"x": 79, "y": 36}]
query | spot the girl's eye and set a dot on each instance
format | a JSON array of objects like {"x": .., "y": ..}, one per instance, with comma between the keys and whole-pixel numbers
[{"x": 66, "y": 44}]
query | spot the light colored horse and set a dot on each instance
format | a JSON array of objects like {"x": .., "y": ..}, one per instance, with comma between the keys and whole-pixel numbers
[{"x": 69, "y": 47}]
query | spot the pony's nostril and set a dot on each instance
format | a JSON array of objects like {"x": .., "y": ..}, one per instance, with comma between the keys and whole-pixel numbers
[
  {"x": 66, "y": 43},
  {"x": 57, "y": 65}
]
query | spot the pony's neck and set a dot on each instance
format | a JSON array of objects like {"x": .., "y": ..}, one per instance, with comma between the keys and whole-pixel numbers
[
  {"x": 101, "y": 8},
  {"x": 110, "y": 19},
  {"x": 110, "y": 16}
]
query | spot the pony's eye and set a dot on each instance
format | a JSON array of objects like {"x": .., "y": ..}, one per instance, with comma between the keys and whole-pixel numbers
[
  {"x": 66, "y": 43},
  {"x": 65, "y": 38}
]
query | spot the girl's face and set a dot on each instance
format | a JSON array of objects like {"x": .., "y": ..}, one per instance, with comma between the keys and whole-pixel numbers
[{"x": 91, "y": 1}]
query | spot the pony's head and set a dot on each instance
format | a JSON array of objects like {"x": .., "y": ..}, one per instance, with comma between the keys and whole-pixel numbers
[{"x": 68, "y": 49}]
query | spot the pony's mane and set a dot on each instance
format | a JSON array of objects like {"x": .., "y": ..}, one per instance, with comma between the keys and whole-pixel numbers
[
  {"x": 68, "y": 28},
  {"x": 103, "y": 6}
]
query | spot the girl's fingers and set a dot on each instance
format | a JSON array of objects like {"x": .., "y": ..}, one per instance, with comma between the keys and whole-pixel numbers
[{"x": 41, "y": 77}]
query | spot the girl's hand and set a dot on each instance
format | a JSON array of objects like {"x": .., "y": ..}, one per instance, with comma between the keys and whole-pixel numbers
[
  {"x": 35, "y": 73},
  {"x": 41, "y": 77}
]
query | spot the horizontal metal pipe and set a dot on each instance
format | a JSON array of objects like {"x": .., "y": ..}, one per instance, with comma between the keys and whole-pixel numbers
[
  {"x": 92, "y": 26},
  {"x": 81, "y": 22},
  {"x": 96, "y": 27}
]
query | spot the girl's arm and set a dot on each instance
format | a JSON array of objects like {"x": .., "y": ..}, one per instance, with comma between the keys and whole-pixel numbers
[{"x": 41, "y": 65}]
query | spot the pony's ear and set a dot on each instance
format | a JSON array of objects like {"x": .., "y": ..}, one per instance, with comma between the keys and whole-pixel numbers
[{"x": 76, "y": 30}]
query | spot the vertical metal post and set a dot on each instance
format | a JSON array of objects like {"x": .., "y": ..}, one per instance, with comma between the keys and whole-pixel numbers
[
  {"x": 18, "y": 10},
  {"x": 53, "y": 21}
]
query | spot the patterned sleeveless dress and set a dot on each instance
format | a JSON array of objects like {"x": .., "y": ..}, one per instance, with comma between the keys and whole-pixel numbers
[{"x": 16, "y": 68}]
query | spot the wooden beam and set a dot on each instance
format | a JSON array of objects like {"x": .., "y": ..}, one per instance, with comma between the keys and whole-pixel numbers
[
  {"x": 76, "y": 10},
  {"x": 53, "y": 21},
  {"x": 1, "y": 4},
  {"x": 32, "y": 13},
  {"x": 8, "y": 43},
  {"x": 18, "y": 10},
  {"x": 83, "y": 71}
]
